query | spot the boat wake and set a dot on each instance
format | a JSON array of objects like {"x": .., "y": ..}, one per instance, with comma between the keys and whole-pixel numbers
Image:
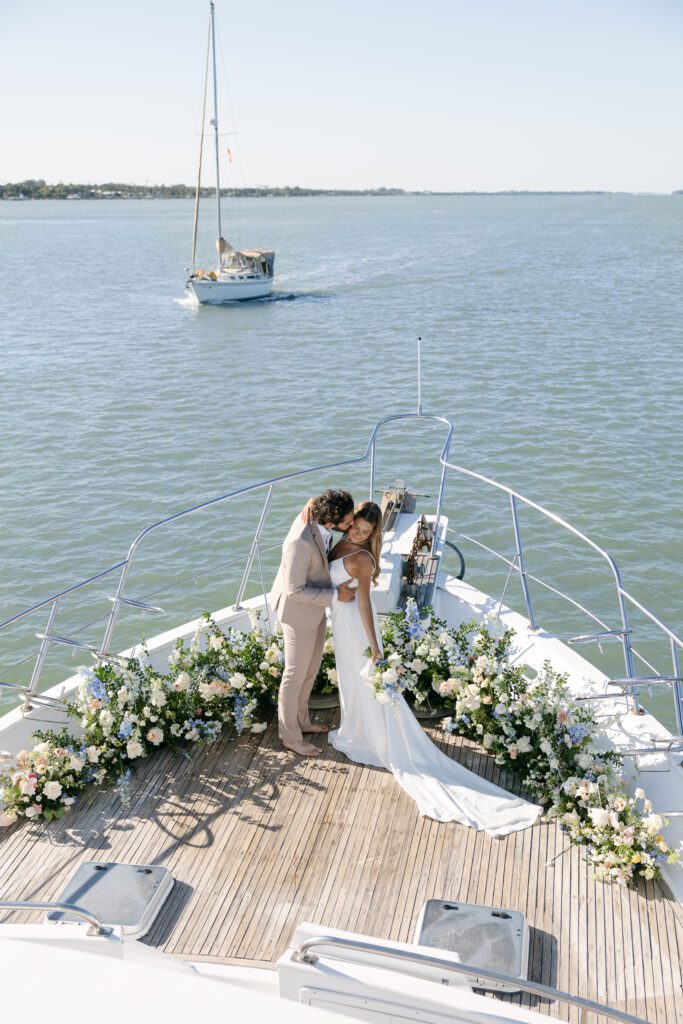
[
  {"x": 190, "y": 302},
  {"x": 318, "y": 296}
]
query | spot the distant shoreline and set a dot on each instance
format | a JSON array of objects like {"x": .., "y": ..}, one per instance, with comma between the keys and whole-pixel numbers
[
  {"x": 113, "y": 190},
  {"x": 38, "y": 189}
]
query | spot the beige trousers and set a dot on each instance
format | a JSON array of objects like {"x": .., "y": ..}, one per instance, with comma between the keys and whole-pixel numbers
[{"x": 303, "y": 654}]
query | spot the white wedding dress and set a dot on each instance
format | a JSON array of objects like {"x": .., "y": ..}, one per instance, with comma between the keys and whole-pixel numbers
[{"x": 392, "y": 738}]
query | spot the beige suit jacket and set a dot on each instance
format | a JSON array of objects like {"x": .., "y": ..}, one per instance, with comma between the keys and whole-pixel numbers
[{"x": 303, "y": 588}]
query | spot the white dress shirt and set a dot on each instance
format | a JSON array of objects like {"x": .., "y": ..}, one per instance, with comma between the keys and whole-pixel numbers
[{"x": 326, "y": 537}]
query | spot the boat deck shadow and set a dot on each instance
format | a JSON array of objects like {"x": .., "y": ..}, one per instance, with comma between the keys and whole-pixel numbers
[{"x": 259, "y": 839}]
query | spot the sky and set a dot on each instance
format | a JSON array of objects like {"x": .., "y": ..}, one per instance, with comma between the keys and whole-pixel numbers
[{"x": 440, "y": 95}]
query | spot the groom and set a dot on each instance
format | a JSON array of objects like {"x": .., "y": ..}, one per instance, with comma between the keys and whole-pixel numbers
[{"x": 301, "y": 593}]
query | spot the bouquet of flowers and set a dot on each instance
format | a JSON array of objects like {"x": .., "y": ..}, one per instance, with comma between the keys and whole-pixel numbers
[
  {"x": 385, "y": 678},
  {"x": 532, "y": 727},
  {"x": 45, "y": 782}
]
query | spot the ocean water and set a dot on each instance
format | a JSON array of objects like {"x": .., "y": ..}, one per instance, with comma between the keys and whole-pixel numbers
[{"x": 552, "y": 332}]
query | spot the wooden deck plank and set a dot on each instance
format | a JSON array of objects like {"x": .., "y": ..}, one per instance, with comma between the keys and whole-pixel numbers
[{"x": 259, "y": 840}]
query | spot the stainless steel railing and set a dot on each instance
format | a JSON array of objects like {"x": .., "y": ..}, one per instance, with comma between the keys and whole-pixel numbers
[
  {"x": 623, "y": 634},
  {"x": 407, "y": 957},
  {"x": 96, "y": 928},
  {"x": 119, "y": 600},
  {"x": 49, "y": 637}
]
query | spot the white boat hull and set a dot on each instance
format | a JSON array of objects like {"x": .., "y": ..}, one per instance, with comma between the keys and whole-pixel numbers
[{"x": 217, "y": 292}]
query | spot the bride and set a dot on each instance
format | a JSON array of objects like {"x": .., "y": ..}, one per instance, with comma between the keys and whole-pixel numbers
[{"x": 387, "y": 735}]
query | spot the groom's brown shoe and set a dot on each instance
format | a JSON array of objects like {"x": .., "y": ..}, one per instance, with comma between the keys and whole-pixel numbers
[{"x": 304, "y": 749}]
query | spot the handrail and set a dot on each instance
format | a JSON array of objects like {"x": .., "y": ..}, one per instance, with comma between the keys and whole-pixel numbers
[
  {"x": 303, "y": 955},
  {"x": 622, "y": 594},
  {"x": 516, "y": 496},
  {"x": 125, "y": 564},
  {"x": 71, "y": 908},
  {"x": 512, "y": 564},
  {"x": 369, "y": 454}
]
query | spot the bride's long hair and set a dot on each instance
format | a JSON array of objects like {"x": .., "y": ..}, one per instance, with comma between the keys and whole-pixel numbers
[{"x": 372, "y": 514}]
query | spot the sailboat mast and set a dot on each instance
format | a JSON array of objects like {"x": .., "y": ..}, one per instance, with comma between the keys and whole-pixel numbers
[{"x": 215, "y": 122}]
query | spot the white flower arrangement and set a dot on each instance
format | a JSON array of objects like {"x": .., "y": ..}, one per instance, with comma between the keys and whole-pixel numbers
[
  {"x": 128, "y": 712},
  {"x": 531, "y": 727}
]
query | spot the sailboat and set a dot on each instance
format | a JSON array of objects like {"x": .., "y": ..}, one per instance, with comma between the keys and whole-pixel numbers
[{"x": 240, "y": 274}]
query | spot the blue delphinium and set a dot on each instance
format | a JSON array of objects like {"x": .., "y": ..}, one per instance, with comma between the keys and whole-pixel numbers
[
  {"x": 125, "y": 729},
  {"x": 412, "y": 619}
]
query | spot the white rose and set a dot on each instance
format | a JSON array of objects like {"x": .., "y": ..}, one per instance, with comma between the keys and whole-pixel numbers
[
  {"x": 75, "y": 763},
  {"x": 33, "y": 811},
  {"x": 155, "y": 736},
  {"x": 182, "y": 681},
  {"x": 93, "y": 754},
  {"x": 238, "y": 680},
  {"x": 483, "y": 664},
  {"x": 52, "y": 790},
  {"x": 599, "y": 816},
  {"x": 524, "y": 744},
  {"x": 639, "y": 794},
  {"x": 134, "y": 749},
  {"x": 417, "y": 665},
  {"x": 106, "y": 720},
  {"x": 158, "y": 698},
  {"x": 394, "y": 659},
  {"x": 653, "y": 823},
  {"x": 332, "y": 676},
  {"x": 390, "y": 675}
]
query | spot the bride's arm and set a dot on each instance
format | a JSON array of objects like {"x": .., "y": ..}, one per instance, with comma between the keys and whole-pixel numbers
[{"x": 360, "y": 566}]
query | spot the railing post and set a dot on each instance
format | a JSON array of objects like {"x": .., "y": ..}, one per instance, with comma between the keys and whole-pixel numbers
[
  {"x": 439, "y": 502},
  {"x": 42, "y": 653},
  {"x": 252, "y": 553},
  {"x": 632, "y": 699},
  {"x": 372, "y": 470},
  {"x": 116, "y": 605},
  {"x": 522, "y": 570},
  {"x": 263, "y": 588},
  {"x": 677, "y": 691}
]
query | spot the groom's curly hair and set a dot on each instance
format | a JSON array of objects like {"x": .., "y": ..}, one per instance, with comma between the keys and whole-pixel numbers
[{"x": 331, "y": 506}]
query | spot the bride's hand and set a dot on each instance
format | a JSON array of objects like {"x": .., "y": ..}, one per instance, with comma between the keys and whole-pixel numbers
[
  {"x": 377, "y": 657},
  {"x": 306, "y": 511}
]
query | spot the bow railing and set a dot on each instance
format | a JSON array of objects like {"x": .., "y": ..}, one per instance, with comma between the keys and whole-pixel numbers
[{"x": 120, "y": 599}]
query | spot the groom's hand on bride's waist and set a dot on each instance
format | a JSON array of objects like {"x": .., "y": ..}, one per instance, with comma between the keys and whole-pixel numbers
[{"x": 345, "y": 592}]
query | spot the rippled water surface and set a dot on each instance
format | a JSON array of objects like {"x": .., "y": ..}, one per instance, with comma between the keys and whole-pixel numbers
[{"x": 552, "y": 331}]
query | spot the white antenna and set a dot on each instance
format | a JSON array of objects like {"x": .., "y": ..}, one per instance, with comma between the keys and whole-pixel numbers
[{"x": 419, "y": 376}]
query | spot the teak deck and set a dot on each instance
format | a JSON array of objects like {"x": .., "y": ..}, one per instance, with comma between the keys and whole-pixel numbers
[{"x": 259, "y": 840}]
